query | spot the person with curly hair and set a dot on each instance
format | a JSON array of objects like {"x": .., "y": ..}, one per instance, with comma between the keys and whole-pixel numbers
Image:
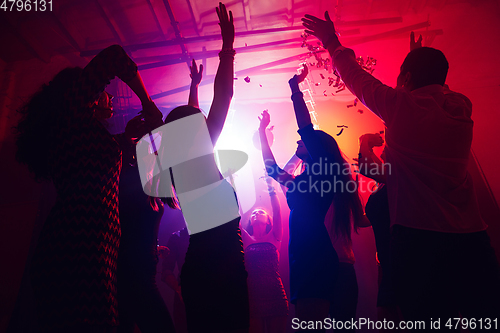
[{"x": 61, "y": 139}]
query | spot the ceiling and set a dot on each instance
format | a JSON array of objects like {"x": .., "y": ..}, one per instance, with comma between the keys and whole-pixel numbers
[{"x": 162, "y": 36}]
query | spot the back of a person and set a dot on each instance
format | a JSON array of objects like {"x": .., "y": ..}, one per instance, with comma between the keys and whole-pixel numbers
[{"x": 428, "y": 144}]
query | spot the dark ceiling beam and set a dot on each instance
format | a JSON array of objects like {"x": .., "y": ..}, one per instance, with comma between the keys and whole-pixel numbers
[
  {"x": 391, "y": 33},
  {"x": 193, "y": 18},
  {"x": 171, "y": 59},
  {"x": 158, "y": 25},
  {"x": 173, "y": 42},
  {"x": 189, "y": 40},
  {"x": 178, "y": 35},
  {"x": 244, "y": 72},
  {"x": 177, "y": 58},
  {"x": 108, "y": 23},
  {"x": 357, "y": 23}
]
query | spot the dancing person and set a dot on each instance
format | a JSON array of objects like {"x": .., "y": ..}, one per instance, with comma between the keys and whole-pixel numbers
[
  {"x": 442, "y": 259},
  {"x": 60, "y": 139},
  {"x": 213, "y": 277},
  {"x": 313, "y": 260},
  {"x": 377, "y": 211},
  {"x": 179, "y": 241},
  {"x": 139, "y": 300},
  {"x": 262, "y": 243}
]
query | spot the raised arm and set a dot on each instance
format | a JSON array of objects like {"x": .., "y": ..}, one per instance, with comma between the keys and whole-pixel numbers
[
  {"x": 275, "y": 205},
  {"x": 223, "y": 83},
  {"x": 369, "y": 164},
  {"x": 290, "y": 167},
  {"x": 196, "y": 76},
  {"x": 273, "y": 170},
  {"x": 378, "y": 97},
  {"x": 299, "y": 105}
]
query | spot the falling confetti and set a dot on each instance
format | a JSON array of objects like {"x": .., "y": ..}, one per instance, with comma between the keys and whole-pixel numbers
[
  {"x": 353, "y": 104},
  {"x": 341, "y": 88},
  {"x": 360, "y": 111},
  {"x": 324, "y": 93},
  {"x": 247, "y": 79},
  {"x": 317, "y": 51},
  {"x": 340, "y": 132},
  {"x": 317, "y": 84},
  {"x": 260, "y": 85}
]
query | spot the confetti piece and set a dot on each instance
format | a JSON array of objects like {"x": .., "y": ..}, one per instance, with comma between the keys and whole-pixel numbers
[
  {"x": 339, "y": 126},
  {"x": 316, "y": 51},
  {"x": 355, "y": 102},
  {"x": 340, "y": 132},
  {"x": 260, "y": 85},
  {"x": 381, "y": 132},
  {"x": 337, "y": 82},
  {"x": 246, "y": 44},
  {"x": 247, "y": 79},
  {"x": 317, "y": 84},
  {"x": 341, "y": 88},
  {"x": 360, "y": 111},
  {"x": 350, "y": 106},
  {"x": 324, "y": 93}
]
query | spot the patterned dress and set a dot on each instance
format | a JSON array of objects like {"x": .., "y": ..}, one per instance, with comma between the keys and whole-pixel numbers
[{"x": 74, "y": 266}]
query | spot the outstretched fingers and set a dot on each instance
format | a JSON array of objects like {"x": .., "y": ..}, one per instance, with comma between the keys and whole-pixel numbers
[
  {"x": 222, "y": 13},
  {"x": 311, "y": 18},
  {"x": 327, "y": 16}
]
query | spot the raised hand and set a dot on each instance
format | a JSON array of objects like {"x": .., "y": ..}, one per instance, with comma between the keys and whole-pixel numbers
[
  {"x": 415, "y": 44},
  {"x": 226, "y": 26},
  {"x": 265, "y": 120},
  {"x": 303, "y": 74},
  {"x": 372, "y": 140},
  {"x": 196, "y": 75},
  {"x": 324, "y": 30}
]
